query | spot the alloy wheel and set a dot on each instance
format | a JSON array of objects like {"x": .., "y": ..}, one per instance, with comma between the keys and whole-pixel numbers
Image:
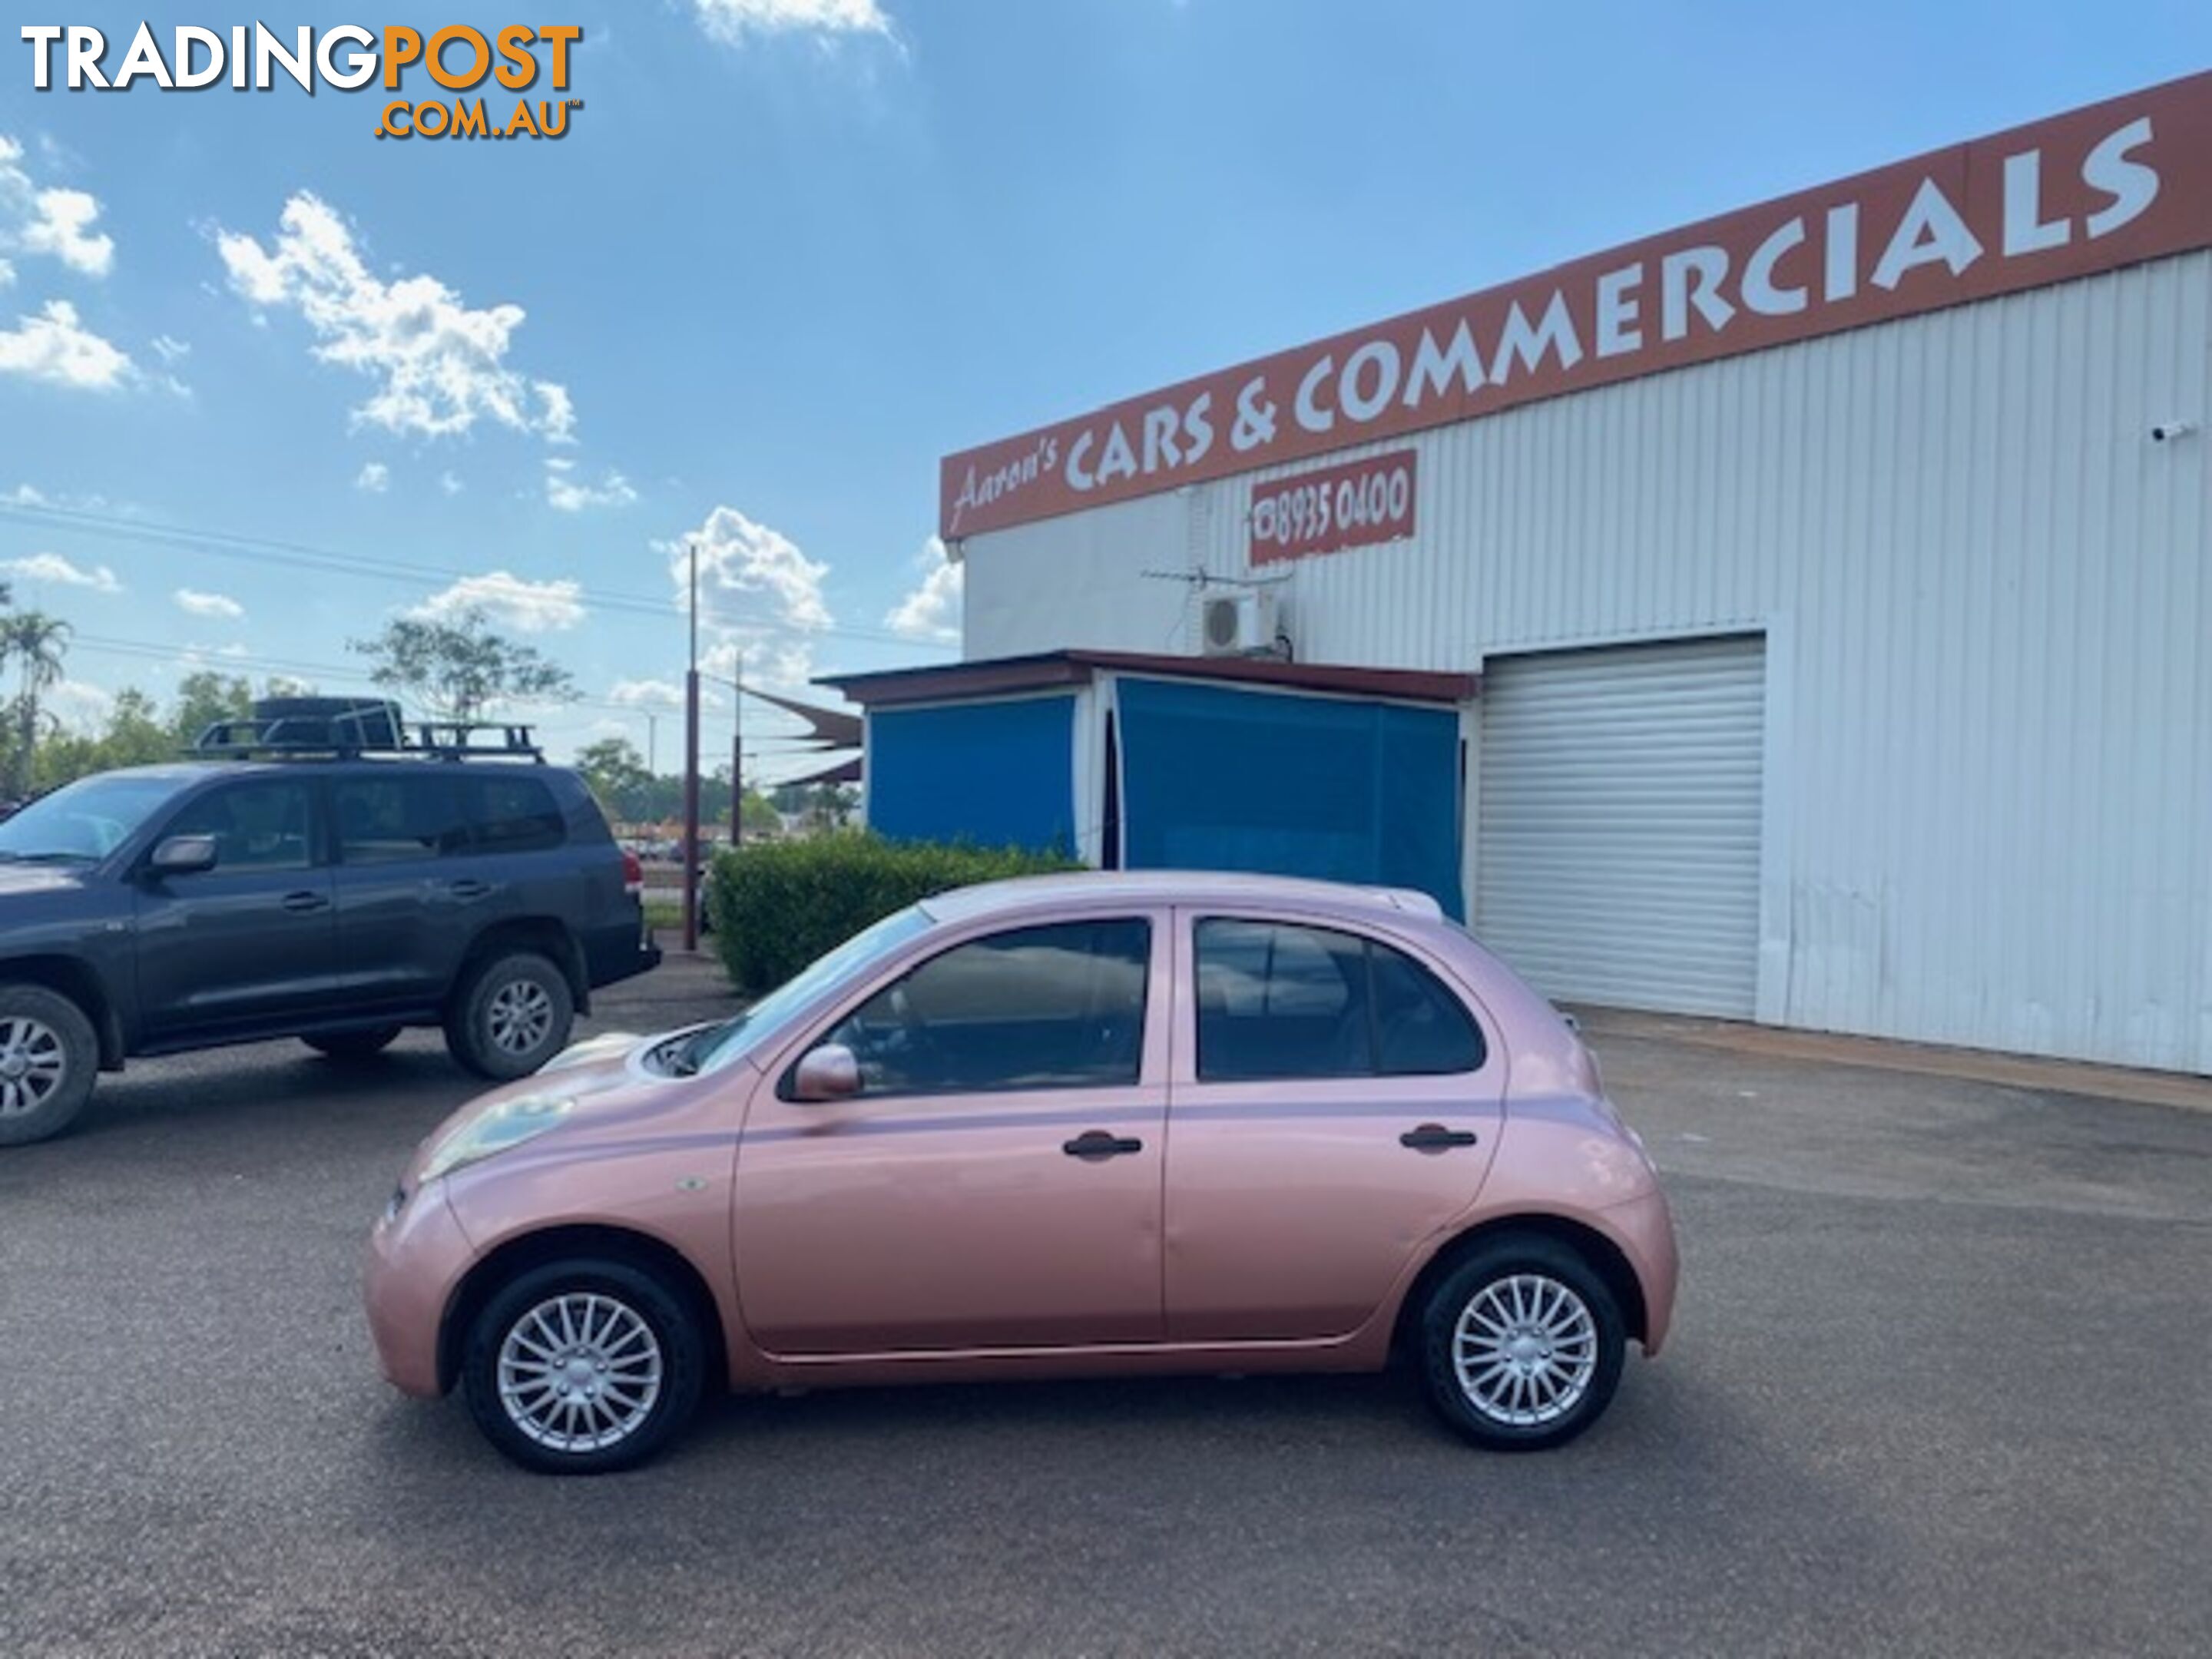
[
  {"x": 1524, "y": 1350},
  {"x": 580, "y": 1372},
  {"x": 33, "y": 1063}
]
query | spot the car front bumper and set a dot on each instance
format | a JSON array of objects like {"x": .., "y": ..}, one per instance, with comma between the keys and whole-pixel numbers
[{"x": 417, "y": 1256}]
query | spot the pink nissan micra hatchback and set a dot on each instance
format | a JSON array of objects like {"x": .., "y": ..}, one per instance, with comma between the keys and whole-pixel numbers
[{"x": 1091, "y": 1124}]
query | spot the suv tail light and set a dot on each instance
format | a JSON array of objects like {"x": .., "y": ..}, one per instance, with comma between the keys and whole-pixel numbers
[{"x": 633, "y": 875}]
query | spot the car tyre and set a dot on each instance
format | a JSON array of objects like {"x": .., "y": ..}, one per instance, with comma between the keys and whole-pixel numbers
[
  {"x": 583, "y": 1367},
  {"x": 510, "y": 1016},
  {"x": 1521, "y": 1344},
  {"x": 353, "y": 1045},
  {"x": 49, "y": 1057}
]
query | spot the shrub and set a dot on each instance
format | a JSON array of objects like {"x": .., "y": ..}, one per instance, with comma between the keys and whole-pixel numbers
[{"x": 778, "y": 905}]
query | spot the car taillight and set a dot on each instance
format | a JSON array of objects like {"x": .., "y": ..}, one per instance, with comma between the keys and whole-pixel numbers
[{"x": 633, "y": 875}]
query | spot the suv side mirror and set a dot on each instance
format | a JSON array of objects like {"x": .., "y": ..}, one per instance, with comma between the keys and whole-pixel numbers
[
  {"x": 183, "y": 856},
  {"x": 829, "y": 1072}
]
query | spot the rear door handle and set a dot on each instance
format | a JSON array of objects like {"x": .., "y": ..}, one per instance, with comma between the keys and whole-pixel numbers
[
  {"x": 306, "y": 903},
  {"x": 1097, "y": 1144},
  {"x": 1435, "y": 1138}
]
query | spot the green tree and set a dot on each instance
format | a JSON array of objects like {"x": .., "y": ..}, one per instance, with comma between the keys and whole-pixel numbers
[
  {"x": 38, "y": 643},
  {"x": 459, "y": 669},
  {"x": 615, "y": 773},
  {"x": 205, "y": 698}
]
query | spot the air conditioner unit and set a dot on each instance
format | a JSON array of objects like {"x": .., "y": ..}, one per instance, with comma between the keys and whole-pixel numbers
[{"x": 1239, "y": 624}]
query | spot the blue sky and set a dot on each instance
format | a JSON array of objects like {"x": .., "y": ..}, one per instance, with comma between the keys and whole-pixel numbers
[{"x": 793, "y": 251}]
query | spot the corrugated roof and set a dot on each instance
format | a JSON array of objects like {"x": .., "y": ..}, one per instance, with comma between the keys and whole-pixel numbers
[{"x": 1006, "y": 676}]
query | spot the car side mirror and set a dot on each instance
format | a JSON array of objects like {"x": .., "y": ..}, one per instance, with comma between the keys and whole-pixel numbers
[
  {"x": 183, "y": 856},
  {"x": 829, "y": 1072}
]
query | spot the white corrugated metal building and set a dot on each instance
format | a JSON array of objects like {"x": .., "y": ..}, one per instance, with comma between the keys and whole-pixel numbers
[{"x": 1836, "y": 574}]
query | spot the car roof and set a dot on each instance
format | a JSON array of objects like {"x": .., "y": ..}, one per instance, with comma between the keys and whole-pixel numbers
[
  {"x": 182, "y": 771},
  {"x": 1087, "y": 889}
]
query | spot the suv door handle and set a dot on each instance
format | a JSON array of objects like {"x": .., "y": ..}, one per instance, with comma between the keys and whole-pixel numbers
[
  {"x": 306, "y": 903},
  {"x": 1097, "y": 1144},
  {"x": 468, "y": 887},
  {"x": 1435, "y": 1138}
]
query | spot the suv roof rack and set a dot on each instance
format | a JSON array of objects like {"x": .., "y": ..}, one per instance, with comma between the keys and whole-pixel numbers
[{"x": 349, "y": 728}]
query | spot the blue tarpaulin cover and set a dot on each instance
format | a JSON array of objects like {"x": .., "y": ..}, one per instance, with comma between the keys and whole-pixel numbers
[
  {"x": 1347, "y": 790},
  {"x": 997, "y": 773}
]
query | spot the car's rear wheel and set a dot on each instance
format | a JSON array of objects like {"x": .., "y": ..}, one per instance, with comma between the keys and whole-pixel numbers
[
  {"x": 583, "y": 1367},
  {"x": 49, "y": 1057},
  {"x": 1522, "y": 1344},
  {"x": 353, "y": 1045},
  {"x": 511, "y": 1016}
]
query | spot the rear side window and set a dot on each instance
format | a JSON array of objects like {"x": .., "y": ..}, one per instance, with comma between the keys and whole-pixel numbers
[
  {"x": 399, "y": 819},
  {"x": 513, "y": 813},
  {"x": 1278, "y": 1001}
]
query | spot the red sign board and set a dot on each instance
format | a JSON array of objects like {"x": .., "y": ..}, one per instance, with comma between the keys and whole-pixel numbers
[
  {"x": 2110, "y": 185},
  {"x": 1355, "y": 505}
]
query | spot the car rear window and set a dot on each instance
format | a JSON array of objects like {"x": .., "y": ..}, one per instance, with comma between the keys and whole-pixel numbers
[
  {"x": 513, "y": 813},
  {"x": 1278, "y": 1001},
  {"x": 394, "y": 820}
]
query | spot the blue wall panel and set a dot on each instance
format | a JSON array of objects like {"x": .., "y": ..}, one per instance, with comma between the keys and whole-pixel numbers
[
  {"x": 1356, "y": 792},
  {"x": 997, "y": 773}
]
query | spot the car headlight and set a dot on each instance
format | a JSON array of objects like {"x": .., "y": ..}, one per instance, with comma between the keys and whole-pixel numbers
[{"x": 496, "y": 1129}]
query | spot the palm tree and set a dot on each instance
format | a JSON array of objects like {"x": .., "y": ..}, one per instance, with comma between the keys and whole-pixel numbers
[{"x": 38, "y": 643}]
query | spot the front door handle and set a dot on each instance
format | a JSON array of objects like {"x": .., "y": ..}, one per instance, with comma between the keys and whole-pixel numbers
[
  {"x": 1435, "y": 1138},
  {"x": 306, "y": 903},
  {"x": 469, "y": 888},
  {"x": 1097, "y": 1144}
]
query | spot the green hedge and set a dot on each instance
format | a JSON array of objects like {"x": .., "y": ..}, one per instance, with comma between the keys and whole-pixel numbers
[{"x": 778, "y": 905}]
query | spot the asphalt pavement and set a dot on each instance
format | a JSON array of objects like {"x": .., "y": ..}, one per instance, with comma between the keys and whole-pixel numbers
[{"x": 1941, "y": 1383}]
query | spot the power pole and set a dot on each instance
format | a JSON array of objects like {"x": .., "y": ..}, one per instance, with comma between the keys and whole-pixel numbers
[
  {"x": 691, "y": 771},
  {"x": 738, "y": 762},
  {"x": 653, "y": 744}
]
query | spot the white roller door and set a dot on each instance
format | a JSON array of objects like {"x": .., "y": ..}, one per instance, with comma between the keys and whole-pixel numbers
[{"x": 1617, "y": 857}]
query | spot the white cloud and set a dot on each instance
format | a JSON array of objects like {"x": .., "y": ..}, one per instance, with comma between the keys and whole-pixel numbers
[
  {"x": 931, "y": 610},
  {"x": 78, "y": 704},
  {"x": 646, "y": 694},
  {"x": 526, "y": 606},
  {"x": 451, "y": 483},
  {"x": 56, "y": 348},
  {"x": 565, "y": 494},
  {"x": 52, "y": 567},
  {"x": 375, "y": 478},
  {"x": 193, "y": 603},
  {"x": 733, "y": 20},
  {"x": 170, "y": 350},
  {"x": 760, "y": 597},
  {"x": 439, "y": 367},
  {"x": 57, "y": 223}
]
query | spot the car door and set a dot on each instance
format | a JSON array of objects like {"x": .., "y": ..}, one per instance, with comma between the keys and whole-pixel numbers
[
  {"x": 1334, "y": 1106},
  {"x": 996, "y": 1183},
  {"x": 408, "y": 901},
  {"x": 251, "y": 944}
]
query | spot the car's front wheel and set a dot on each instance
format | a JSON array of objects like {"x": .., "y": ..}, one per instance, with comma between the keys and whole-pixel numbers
[
  {"x": 511, "y": 1016},
  {"x": 583, "y": 1367},
  {"x": 1522, "y": 1344},
  {"x": 49, "y": 1056}
]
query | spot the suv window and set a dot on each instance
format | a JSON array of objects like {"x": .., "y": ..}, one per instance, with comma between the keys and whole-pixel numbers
[
  {"x": 1277, "y": 1000},
  {"x": 400, "y": 818},
  {"x": 1055, "y": 1007},
  {"x": 513, "y": 813},
  {"x": 265, "y": 825}
]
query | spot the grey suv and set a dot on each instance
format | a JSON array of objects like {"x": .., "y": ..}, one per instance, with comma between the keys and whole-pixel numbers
[{"x": 337, "y": 900}]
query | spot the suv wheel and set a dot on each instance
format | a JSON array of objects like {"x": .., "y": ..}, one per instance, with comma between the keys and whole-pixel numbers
[
  {"x": 511, "y": 1016},
  {"x": 583, "y": 1367},
  {"x": 354, "y": 1045},
  {"x": 48, "y": 1058},
  {"x": 1522, "y": 1345}
]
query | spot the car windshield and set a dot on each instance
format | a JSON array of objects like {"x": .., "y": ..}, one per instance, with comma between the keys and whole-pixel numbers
[
  {"x": 84, "y": 822},
  {"x": 718, "y": 1045}
]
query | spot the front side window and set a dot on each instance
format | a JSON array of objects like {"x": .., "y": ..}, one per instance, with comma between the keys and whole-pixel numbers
[
  {"x": 256, "y": 826},
  {"x": 1279, "y": 1001},
  {"x": 86, "y": 820},
  {"x": 398, "y": 819},
  {"x": 1052, "y": 1007}
]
